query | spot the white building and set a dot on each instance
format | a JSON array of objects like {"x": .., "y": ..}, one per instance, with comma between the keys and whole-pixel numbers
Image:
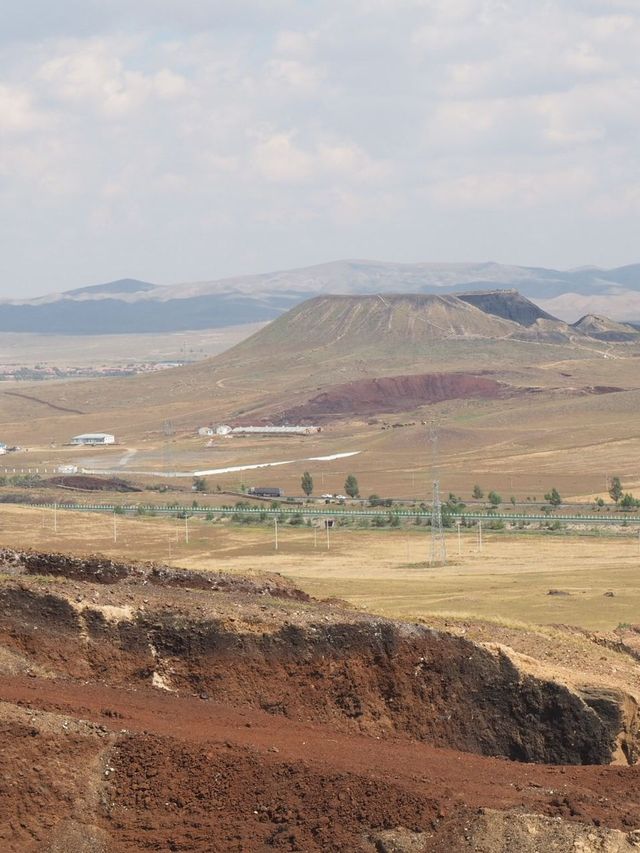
[
  {"x": 222, "y": 429},
  {"x": 206, "y": 431},
  {"x": 3, "y": 448},
  {"x": 94, "y": 438},
  {"x": 275, "y": 430}
]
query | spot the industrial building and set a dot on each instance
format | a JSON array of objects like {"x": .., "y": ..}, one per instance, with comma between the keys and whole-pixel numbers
[{"x": 94, "y": 438}]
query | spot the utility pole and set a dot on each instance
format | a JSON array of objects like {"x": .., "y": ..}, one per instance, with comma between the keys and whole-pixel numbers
[
  {"x": 480, "y": 536},
  {"x": 438, "y": 544},
  {"x": 328, "y": 538},
  {"x": 275, "y": 528},
  {"x": 115, "y": 528},
  {"x": 186, "y": 529},
  {"x": 459, "y": 539}
]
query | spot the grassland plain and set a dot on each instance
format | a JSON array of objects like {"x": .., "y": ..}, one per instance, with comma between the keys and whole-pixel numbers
[{"x": 381, "y": 571}]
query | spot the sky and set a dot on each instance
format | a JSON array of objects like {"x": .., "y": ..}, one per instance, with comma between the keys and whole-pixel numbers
[{"x": 181, "y": 140}]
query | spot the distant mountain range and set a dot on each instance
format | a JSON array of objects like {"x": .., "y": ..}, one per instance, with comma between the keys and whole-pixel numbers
[{"x": 131, "y": 306}]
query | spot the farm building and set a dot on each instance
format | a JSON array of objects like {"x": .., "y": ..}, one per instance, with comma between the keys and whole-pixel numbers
[
  {"x": 222, "y": 429},
  {"x": 94, "y": 438},
  {"x": 275, "y": 430},
  {"x": 206, "y": 431},
  {"x": 3, "y": 448},
  {"x": 266, "y": 492}
]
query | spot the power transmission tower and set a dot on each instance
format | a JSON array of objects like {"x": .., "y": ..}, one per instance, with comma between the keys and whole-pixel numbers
[
  {"x": 438, "y": 544},
  {"x": 168, "y": 432}
]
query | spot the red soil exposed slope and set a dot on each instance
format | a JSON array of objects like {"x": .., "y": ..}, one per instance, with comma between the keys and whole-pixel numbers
[
  {"x": 148, "y": 708},
  {"x": 395, "y": 394}
]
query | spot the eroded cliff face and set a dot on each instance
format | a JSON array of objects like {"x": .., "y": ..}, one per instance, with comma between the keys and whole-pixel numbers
[
  {"x": 304, "y": 661},
  {"x": 147, "y": 708}
]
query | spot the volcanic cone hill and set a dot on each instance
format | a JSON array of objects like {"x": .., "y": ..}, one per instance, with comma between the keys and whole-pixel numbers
[
  {"x": 330, "y": 341},
  {"x": 604, "y": 329}
]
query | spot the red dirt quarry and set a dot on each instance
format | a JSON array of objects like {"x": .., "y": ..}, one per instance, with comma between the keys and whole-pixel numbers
[
  {"x": 148, "y": 708},
  {"x": 396, "y": 394}
]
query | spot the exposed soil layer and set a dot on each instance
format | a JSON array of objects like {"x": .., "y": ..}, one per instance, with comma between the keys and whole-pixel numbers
[
  {"x": 396, "y": 394},
  {"x": 370, "y": 675},
  {"x": 146, "y": 708},
  {"x": 102, "y": 570}
]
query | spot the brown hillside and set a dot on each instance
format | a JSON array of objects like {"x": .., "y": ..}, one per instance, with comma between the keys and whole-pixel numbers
[{"x": 605, "y": 329}]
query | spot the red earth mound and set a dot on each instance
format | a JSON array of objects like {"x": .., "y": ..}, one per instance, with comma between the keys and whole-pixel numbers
[{"x": 395, "y": 394}]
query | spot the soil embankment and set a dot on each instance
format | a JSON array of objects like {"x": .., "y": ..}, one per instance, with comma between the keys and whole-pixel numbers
[{"x": 148, "y": 708}]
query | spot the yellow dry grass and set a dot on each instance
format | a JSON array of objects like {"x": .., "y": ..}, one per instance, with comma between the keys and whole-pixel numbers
[{"x": 382, "y": 571}]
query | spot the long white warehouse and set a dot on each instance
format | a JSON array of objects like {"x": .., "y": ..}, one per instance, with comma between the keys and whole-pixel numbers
[{"x": 223, "y": 429}]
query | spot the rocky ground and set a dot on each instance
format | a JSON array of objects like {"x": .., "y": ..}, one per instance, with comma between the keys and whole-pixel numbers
[{"x": 148, "y": 708}]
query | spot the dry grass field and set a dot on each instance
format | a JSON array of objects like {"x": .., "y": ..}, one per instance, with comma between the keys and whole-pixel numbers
[{"x": 382, "y": 571}]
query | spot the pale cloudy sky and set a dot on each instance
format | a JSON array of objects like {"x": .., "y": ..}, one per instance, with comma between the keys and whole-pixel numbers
[{"x": 175, "y": 140}]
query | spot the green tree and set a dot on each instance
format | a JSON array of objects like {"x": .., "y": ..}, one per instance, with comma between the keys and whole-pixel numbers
[
  {"x": 615, "y": 489},
  {"x": 375, "y": 500},
  {"x": 307, "y": 483},
  {"x": 553, "y": 497},
  {"x": 199, "y": 484},
  {"x": 351, "y": 486},
  {"x": 627, "y": 501},
  {"x": 477, "y": 493},
  {"x": 494, "y": 499}
]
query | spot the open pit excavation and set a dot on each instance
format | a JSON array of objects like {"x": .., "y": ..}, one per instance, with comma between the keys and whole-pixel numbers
[{"x": 145, "y": 707}]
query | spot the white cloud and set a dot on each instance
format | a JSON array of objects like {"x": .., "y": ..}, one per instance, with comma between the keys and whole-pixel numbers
[
  {"x": 292, "y": 130},
  {"x": 17, "y": 111}
]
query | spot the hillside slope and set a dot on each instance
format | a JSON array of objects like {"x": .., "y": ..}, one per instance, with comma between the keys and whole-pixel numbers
[{"x": 604, "y": 329}]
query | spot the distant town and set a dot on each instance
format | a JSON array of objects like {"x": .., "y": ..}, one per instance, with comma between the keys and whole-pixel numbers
[{"x": 18, "y": 372}]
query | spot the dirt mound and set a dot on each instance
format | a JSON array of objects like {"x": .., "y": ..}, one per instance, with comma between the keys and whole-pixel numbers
[
  {"x": 395, "y": 394},
  {"x": 151, "y": 771},
  {"x": 102, "y": 570},
  {"x": 85, "y": 483}
]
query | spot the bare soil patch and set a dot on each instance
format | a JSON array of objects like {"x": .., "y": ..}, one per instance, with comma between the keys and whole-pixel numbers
[{"x": 395, "y": 394}]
